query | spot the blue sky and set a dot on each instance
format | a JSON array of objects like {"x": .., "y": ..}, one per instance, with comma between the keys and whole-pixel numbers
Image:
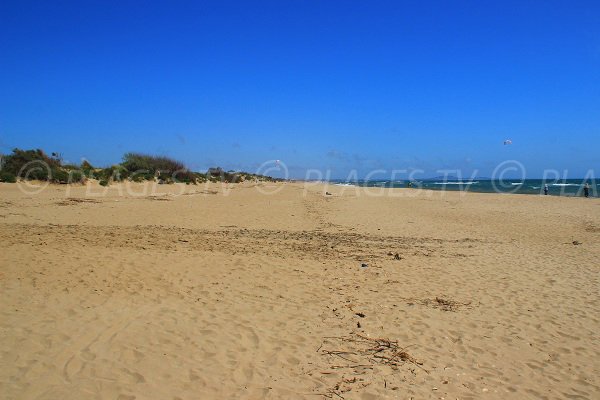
[{"x": 317, "y": 84}]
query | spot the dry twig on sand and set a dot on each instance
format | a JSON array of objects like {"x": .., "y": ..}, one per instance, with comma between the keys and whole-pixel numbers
[
  {"x": 445, "y": 304},
  {"x": 373, "y": 350},
  {"x": 364, "y": 353},
  {"x": 75, "y": 200}
]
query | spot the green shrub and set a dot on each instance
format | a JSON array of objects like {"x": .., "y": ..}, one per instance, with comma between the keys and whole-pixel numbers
[
  {"x": 167, "y": 180},
  {"x": 104, "y": 173},
  {"x": 7, "y": 177},
  {"x": 119, "y": 173},
  {"x": 59, "y": 176},
  {"x": 103, "y": 182},
  {"x": 86, "y": 167},
  {"x": 143, "y": 166},
  {"x": 36, "y": 162},
  {"x": 35, "y": 170},
  {"x": 37, "y": 165},
  {"x": 140, "y": 176},
  {"x": 184, "y": 176},
  {"x": 76, "y": 176},
  {"x": 115, "y": 173},
  {"x": 217, "y": 174},
  {"x": 135, "y": 162},
  {"x": 200, "y": 177}
]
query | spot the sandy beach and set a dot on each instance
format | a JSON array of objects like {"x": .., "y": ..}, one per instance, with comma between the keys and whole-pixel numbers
[{"x": 277, "y": 290}]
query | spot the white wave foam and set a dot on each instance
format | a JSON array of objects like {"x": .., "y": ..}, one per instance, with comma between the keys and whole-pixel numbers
[{"x": 455, "y": 183}]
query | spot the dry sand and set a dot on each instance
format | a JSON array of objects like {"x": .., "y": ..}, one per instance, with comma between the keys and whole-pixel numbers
[{"x": 225, "y": 292}]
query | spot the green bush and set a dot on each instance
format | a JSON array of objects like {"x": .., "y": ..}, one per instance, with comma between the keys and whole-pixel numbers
[
  {"x": 7, "y": 177},
  {"x": 217, "y": 174},
  {"x": 59, "y": 176},
  {"x": 86, "y": 167},
  {"x": 35, "y": 170},
  {"x": 115, "y": 173},
  {"x": 184, "y": 176},
  {"x": 119, "y": 173},
  {"x": 37, "y": 165},
  {"x": 140, "y": 177},
  {"x": 143, "y": 166},
  {"x": 103, "y": 182},
  {"x": 135, "y": 162},
  {"x": 76, "y": 176},
  {"x": 200, "y": 177},
  {"x": 167, "y": 180},
  {"x": 36, "y": 162},
  {"x": 104, "y": 173}
]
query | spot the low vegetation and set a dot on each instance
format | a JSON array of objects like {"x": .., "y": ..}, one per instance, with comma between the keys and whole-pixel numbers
[
  {"x": 37, "y": 165},
  {"x": 136, "y": 167}
]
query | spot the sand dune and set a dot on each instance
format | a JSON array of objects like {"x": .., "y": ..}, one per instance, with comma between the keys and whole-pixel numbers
[{"x": 207, "y": 292}]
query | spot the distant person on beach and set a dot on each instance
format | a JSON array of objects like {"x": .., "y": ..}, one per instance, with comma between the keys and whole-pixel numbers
[
  {"x": 586, "y": 190},
  {"x": 546, "y": 190}
]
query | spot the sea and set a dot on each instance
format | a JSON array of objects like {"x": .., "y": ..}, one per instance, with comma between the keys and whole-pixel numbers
[{"x": 569, "y": 187}]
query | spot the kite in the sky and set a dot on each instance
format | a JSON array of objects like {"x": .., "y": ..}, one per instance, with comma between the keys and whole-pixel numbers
[{"x": 507, "y": 141}]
